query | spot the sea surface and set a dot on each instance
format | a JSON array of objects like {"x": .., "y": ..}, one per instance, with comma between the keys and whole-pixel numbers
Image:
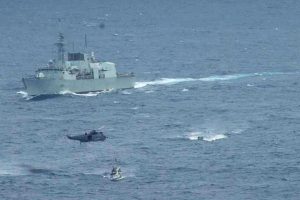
[{"x": 224, "y": 70}]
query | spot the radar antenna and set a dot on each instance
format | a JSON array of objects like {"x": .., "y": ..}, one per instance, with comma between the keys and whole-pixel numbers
[{"x": 85, "y": 41}]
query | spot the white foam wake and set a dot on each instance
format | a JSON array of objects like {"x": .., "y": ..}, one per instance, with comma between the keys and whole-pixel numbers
[
  {"x": 209, "y": 137},
  {"x": 25, "y": 95},
  {"x": 125, "y": 92},
  {"x": 11, "y": 171},
  {"x": 89, "y": 94},
  {"x": 170, "y": 81},
  {"x": 163, "y": 81},
  {"x": 214, "y": 137},
  {"x": 226, "y": 77}
]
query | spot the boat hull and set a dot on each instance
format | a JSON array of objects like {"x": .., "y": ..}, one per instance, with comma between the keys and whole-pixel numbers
[{"x": 35, "y": 86}]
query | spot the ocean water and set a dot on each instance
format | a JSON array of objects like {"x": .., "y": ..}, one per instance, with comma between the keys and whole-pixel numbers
[{"x": 224, "y": 70}]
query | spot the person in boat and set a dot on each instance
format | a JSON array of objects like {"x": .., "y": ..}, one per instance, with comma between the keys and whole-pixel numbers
[
  {"x": 200, "y": 137},
  {"x": 89, "y": 137},
  {"x": 115, "y": 171}
]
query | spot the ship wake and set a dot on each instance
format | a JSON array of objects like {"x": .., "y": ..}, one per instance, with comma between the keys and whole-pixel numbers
[
  {"x": 26, "y": 96},
  {"x": 171, "y": 81},
  {"x": 88, "y": 94}
]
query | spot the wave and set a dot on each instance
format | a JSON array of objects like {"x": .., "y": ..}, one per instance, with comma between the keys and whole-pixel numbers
[{"x": 171, "y": 81}]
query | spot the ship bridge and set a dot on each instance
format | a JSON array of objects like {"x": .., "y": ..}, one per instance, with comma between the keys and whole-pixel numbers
[
  {"x": 77, "y": 60},
  {"x": 75, "y": 56}
]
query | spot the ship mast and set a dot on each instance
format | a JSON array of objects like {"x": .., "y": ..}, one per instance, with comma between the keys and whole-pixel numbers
[{"x": 60, "y": 51}]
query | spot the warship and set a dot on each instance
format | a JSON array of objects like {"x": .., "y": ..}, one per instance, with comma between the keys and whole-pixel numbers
[{"x": 76, "y": 72}]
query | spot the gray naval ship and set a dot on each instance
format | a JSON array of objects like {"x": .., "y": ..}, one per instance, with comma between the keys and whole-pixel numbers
[{"x": 77, "y": 73}]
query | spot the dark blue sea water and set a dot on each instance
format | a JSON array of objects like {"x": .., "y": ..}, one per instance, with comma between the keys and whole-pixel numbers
[{"x": 226, "y": 70}]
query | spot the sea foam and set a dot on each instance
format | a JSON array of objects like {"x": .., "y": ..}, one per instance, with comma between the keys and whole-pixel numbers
[{"x": 209, "y": 137}]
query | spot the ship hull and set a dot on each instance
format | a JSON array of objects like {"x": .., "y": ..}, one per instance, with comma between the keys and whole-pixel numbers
[{"x": 35, "y": 86}]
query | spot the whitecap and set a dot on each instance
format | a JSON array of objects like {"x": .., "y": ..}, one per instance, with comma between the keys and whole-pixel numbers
[{"x": 185, "y": 90}]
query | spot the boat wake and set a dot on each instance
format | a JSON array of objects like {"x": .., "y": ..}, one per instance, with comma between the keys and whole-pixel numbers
[
  {"x": 171, "y": 81},
  {"x": 162, "y": 81},
  {"x": 209, "y": 137}
]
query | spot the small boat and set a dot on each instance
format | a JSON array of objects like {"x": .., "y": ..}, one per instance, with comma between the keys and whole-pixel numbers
[{"x": 115, "y": 174}]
